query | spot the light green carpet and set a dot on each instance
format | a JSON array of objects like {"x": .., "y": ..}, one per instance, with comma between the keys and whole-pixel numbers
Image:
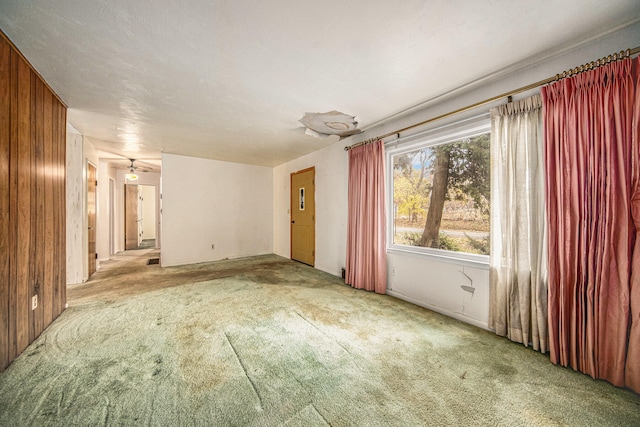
[{"x": 279, "y": 343}]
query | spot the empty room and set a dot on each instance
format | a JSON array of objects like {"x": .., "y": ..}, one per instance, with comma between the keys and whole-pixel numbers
[{"x": 334, "y": 213}]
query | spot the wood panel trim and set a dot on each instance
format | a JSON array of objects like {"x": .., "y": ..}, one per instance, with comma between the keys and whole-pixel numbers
[
  {"x": 24, "y": 188},
  {"x": 13, "y": 208},
  {"x": 49, "y": 202},
  {"x": 61, "y": 224},
  {"x": 37, "y": 208},
  {"x": 7, "y": 243}
]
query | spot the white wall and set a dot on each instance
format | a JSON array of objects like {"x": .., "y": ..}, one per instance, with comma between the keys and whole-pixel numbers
[
  {"x": 207, "y": 202},
  {"x": 331, "y": 200},
  {"x": 428, "y": 282},
  {"x": 74, "y": 209},
  {"x": 79, "y": 153}
]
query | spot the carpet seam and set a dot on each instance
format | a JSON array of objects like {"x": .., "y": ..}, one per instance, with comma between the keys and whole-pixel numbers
[
  {"x": 246, "y": 373},
  {"x": 323, "y": 333}
]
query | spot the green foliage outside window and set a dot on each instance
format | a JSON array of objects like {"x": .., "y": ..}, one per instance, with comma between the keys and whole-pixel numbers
[{"x": 441, "y": 196}]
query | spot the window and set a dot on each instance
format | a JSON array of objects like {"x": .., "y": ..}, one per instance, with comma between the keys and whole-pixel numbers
[{"x": 440, "y": 201}]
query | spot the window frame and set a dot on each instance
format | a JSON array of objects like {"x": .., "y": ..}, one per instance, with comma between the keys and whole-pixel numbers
[{"x": 441, "y": 135}]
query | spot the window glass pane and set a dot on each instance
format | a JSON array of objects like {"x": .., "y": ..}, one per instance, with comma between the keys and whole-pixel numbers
[{"x": 441, "y": 196}]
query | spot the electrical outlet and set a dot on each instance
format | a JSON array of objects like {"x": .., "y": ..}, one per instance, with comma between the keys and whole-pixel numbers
[
  {"x": 34, "y": 302},
  {"x": 393, "y": 271},
  {"x": 213, "y": 246}
]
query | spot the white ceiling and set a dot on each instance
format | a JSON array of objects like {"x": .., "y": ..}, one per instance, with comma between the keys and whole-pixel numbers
[{"x": 229, "y": 79}]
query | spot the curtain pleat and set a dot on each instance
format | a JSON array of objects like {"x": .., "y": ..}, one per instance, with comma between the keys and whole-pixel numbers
[
  {"x": 366, "y": 264},
  {"x": 588, "y": 144},
  {"x": 518, "y": 260},
  {"x": 632, "y": 374}
]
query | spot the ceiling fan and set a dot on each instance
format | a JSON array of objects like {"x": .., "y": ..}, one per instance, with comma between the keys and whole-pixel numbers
[
  {"x": 119, "y": 161},
  {"x": 132, "y": 175}
]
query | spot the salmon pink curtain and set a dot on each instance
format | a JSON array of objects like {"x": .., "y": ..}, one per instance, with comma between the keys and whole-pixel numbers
[
  {"x": 366, "y": 266},
  {"x": 632, "y": 378},
  {"x": 589, "y": 157}
]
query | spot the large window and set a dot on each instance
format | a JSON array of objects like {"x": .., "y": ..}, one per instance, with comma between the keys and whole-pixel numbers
[{"x": 440, "y": 193}]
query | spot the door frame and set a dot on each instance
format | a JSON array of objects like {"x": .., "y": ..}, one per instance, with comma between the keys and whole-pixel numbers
[
  {"x": 312, "y": 168},
  {"x": 127, "y": 213},
  {"x": 112, "y": 214},
  {"x": 146, "y": 188},
  {"x": 87, "y": 272}
]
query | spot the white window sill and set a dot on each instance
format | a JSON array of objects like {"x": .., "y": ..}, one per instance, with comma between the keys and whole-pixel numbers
[{"x": 459, "y": 258}]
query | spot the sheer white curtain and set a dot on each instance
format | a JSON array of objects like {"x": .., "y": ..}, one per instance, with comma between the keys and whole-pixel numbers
[{"x": 518, "y": 261}]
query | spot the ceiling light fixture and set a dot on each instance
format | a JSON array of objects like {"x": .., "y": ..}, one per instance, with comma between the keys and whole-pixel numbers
[
  {"x": 334, "y": 122},
  {"x": 131, "y": 176}
]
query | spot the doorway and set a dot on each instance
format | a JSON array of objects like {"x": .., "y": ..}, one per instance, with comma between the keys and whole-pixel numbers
[
  {"x": 147, "y": 216},
  {"x": 140, "y": 225},
  {"x": 91, "y": 218},
  {"x": 112, "y": 213},
  {"x": 303, "y": 215},
  {"x": 131, "y": 211}
]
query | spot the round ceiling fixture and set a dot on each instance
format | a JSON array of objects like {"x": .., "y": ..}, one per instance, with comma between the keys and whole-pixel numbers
[
  {"x": 132, "y": 175},
  {"x": 331, "y": 123},
  {"x": 339, "y": 126}
]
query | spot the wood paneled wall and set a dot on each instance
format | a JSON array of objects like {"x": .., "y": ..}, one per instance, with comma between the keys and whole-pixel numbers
[{"x": 32, "y": 203}]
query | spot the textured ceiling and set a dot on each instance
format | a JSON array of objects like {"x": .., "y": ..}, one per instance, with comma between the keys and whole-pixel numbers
[{"x": 229, "y": 80}]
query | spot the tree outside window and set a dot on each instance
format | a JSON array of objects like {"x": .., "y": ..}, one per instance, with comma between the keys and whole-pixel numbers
[{"x": 441, "y": 196}]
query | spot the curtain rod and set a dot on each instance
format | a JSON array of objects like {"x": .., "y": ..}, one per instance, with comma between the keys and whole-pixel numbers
[{"x": 571, "y": 72}]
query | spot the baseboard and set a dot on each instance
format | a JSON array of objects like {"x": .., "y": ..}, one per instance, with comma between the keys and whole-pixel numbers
[
  {"x": 327, "y": 271},
  {"x": 191, "y": 262},
  {"x": 448, "y": 313}
]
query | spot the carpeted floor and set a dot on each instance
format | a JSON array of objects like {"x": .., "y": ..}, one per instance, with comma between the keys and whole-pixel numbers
[
  {"x": 147, "y": 244},
  {"x": 265, "y": 341}
]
